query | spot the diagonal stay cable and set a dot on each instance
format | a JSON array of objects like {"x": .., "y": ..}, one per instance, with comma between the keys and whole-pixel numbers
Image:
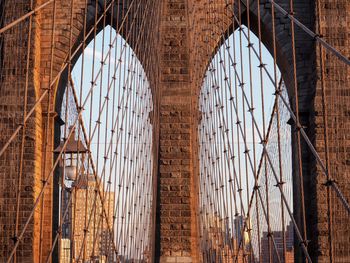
[
  {"x": 308, "y": 31},
  {"x": 244, "y": 140},
  {"x": 246, "y": 147},
  {"x": 109, "y": 88},
  {"x": 102, "y": 196},
  {"x": 25, "y": 16},
  {"x": 317, "y": 37},
  {"x": 257, "y": 187}
]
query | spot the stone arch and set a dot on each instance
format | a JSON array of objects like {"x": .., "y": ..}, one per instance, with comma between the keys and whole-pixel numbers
[
  {"x": 118, "y": 13},
  {"x": 306, "y": 80},
  {"x": 130, "y": 33},
  {"x": 305, "y": 46},
  {"x": 40, "y": 129},
  {"x": 61, "y": 53}
]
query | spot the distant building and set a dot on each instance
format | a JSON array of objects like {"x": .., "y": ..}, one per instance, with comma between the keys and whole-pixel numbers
[
  {"x": 221, "y": 246},
  {"x": 66, "y": 206},
  {"x": 238, "y": 223},
  {"x": 240, "y": 228},
  {"x": 97, "y": 238},
  {"x": 278, "y": 238},
  {"x": 106, "y": 242},
  {"x": 65, "y": 250}
]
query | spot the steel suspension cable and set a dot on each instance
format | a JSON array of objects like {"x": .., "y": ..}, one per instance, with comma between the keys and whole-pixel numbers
[
  {"x": 270, "y": 162},
  {"x": 315, "y": 36},
  {"x": 245, "y": 143},
  {"x": 255, "y": 122},
  {"x": 22, "y": 18}
]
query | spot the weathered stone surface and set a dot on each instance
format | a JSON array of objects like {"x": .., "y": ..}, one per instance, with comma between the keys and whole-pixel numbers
[{"x": 186, "y": 44}]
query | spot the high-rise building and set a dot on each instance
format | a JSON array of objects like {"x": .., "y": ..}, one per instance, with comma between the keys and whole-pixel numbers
[
  {"x": 67, "y": 209},
  {"x": 65, "y": 255},
  {"x": 238, "y": 223},
  {"x": 85, "y": 225},
  {"x": 240, "y": 230},
  {"x": 278, "y": 239},
  {"x": 106, "y": 243},
  {"x": 221, "y": 245}
]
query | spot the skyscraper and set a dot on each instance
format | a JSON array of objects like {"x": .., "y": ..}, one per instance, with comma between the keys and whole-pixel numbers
[
  {"x": 278, "y": 239},
  {"x": 85, "y": 226}
]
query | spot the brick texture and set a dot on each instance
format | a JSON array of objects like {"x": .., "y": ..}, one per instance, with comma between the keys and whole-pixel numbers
[
  {"x": 176, "y": 238},
  {"x": 185, "y": 43}
]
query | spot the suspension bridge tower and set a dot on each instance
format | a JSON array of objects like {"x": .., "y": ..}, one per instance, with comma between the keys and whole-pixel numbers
[{"x": 198, "y": 174}]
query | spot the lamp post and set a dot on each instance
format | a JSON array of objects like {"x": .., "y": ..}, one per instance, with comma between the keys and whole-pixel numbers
[{"x": 71, "y": 166}]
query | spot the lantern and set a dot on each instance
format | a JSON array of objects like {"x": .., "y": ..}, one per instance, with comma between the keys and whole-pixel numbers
[{"x": 73, "y": 154}]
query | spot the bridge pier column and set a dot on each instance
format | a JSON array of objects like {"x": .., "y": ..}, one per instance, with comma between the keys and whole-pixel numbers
[
  {"x": 176, "y": 210},
  {"x": 19, "y": 185},
  {"x": 176, "y": 237}
]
